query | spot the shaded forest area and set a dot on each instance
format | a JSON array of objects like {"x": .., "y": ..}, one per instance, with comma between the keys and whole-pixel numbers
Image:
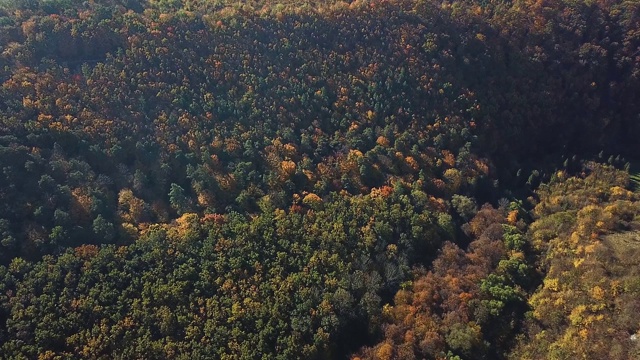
[{"x": 369, "y": 179}]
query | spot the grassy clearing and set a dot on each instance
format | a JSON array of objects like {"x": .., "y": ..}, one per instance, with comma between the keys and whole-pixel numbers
[
  {"x": 626, "y": 245},
  {"x": 635, "y": 180}
]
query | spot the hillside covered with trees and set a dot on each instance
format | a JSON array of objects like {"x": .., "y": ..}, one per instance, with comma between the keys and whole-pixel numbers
[{"x": 319, "y": 179}]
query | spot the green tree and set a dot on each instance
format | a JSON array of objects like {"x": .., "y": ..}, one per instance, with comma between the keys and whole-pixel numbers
[{"x": 178, "y": 200}]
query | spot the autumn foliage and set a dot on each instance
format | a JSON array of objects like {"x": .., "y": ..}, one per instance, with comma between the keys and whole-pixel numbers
[{"x": 318, "y": 179}]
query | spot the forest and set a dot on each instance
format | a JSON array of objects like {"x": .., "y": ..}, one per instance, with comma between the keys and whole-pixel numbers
[{"x": 320, "y": 179}]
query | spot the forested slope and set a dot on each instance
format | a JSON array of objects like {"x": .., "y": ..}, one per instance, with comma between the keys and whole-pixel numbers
[
  {"x": 259, "y": 180},
  {"x": 481, "y": 303}
]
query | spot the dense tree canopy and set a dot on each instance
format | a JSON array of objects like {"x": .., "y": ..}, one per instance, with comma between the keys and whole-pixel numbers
[{"x": 319, "y": 179}]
